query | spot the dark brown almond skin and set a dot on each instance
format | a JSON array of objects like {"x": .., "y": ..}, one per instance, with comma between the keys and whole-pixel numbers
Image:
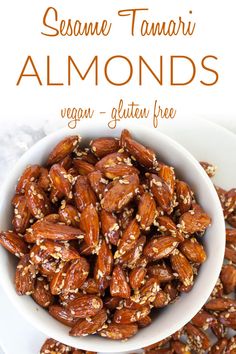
[
  {"x": 142, "y": 154},
  {"x": 124, "y": 135},
  {"x": 120, "y": 170},
  {"x": 104, "y": 146},
  {"x": 160, "y": 247},
  {"x": 69, "y": 215},
  {"x": 180, "y": 347},
  {"x": 228, "y": 318},
  {"x": 161, "y": 300},
  {"x": 183, "y": 196},
  {"x": 61, "y": 251},
  {"x": 220, "y": 304},
  {"x": 83, "y": 167},
  {"x": 134, "y": 256},
  {"x": 230, "y": 254},
  {"x": 22, "y": 215},
  {"x": 219, "y": 347},
  {"x": 146, "y": 211},
  {"x": 168, "y": 227},
  {"x": 112, "y": 302},
  {"x": 228, "y": 278},
  {"x": 112, "y": 160},
  {"x": 41, "y": 293},
  {"x": 84, "y": 194},
  {"x": 161, "y": 192},
  {"x": 128, "y": 239},
  {"x": 231, "y": 219},
  {"x": 62, "y": 315},
  {"x": 13, "y": 243},
  {"x": 127, "y": 316},
  {"x": 89, "y": 223},
  {"x": 229, "y": 205},
  {"x": 162, "y": 272},
  {"x": 231, "y": 236},
  {"x": 84, "y": 327},
  {"x": 90, "y": 286},
  {"x": 167, "y": 173},
  {"x": 193, "y": 250},
  {"x": 195, "y": 220},
  {"x": 44, "y": 181},
  {"x": 37, "y": 200},
  {"x": 181, "y": 265},
  {"x": 119, "y": 286},
  {"x": 25, "y": 276},
  {"x": 62, "y": 149},
  {"x": 52, "y": 231},
  {"x": 30, "y": 174},
  {"x": 136, "y": 277},
  {"x": 97, "y": 182},
  {"x": 120, "y": 194},
  {"x": 53, "y": 346},
  {"x": 104, "y": 262},
  {"x": 85, "y": 306},
  {"x": 110, "y": 226},
  {"x": 144, "y": 322},
  {"x": 197, "y": 336},
  {"x": 204, "y": 319},
  {"x": 118, "y": 331},
  {"x": 76, "y": 275},
  {"x": 61, "y": 180}
]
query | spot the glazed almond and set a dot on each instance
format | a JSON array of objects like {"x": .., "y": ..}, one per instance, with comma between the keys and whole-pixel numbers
[
  {"x": 160, "y": 247},
  {"x": 13, "y": 243},
  {"x": 89, "y": 223},
  {"x": 104, "y": 146},
  {"x": 62, "y": 149},
  {"x": 119, "y": 286},
  {"x": 84, "y": 195},
  {"x": 120, "y": 194}
]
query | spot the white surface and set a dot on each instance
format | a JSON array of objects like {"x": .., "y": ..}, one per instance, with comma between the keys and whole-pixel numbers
[{"x": 206, "y": 146}]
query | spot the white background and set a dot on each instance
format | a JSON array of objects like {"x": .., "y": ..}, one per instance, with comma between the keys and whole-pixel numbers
[{"x": 29, "y": 103}]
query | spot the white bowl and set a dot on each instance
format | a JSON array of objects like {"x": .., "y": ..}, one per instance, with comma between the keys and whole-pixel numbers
[{"x": 174, "y": 316}]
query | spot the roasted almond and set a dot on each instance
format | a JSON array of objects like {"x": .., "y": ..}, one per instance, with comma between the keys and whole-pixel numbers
[
  {"x": 198, "y": 339},
  {"x": 120, "y": 194},
  {"x": 220, "y": 304},
  {"x": 183, "y": 196},
  {"x": 127, "y": 316},
  {"x": 41, "y": 293},
  {"x": 61, "y": 180},
  {"x": 83, "y": 167},
  {"x": 110, "y": 227},
  {"x": 118, "y": 171},
  {"x": 119, "y": 286},
  {"x": 89, "y": 223},
  {"x": 104, "y": 146},
  {"x": 136, "y": 277},
  {"x": 139, "y": 152},
  {"x": 25, "y": 276},
  {"x": 69, "y": 215},
  {"x": 13, "y": 243},
  {"x": 194, "y": 220},
  {"x": 22, "y": 215},
  {"x": 128, "y": 239},
  {"x": 97, "y": 182},
  {"x": 62, "y": 315},
  {"x": 182, "y": 267},
  {"x": 86, "y": 326},
  {"x": 85, "y": 306},
  {"x": 30, "y": 174},
  {"x": 119, "y": 331},
  {"x": 228, "y": 278},
  {"x": 146, "y": 211},
  {"x": 52, "y": 231},
  {"x": 161, "y": 192},
  {"x": 84, "y": 195},
  {"x": 37, "y": 201},
  {"x": 62, "y": 149},
  {"x": 193, "y": 250},
  {"x": 160, "y": 247}
]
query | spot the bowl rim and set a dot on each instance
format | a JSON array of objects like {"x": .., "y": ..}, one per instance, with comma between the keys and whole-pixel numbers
[{"x": 134, "y": 128}]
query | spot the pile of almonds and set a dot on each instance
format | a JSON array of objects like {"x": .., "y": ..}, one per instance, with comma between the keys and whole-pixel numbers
[
  {"x": 105, "y": 235},
  {"x": 213, "y": 329}
]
